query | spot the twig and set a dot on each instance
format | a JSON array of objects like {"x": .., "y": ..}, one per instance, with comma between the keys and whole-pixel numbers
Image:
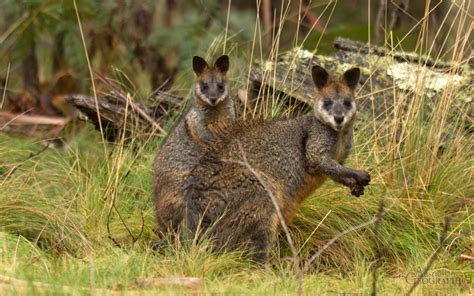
[
  {"x": 134, "y": 238},
  {"x": 145, "y": 116},
  {"x": 296, "y": 260},
  {"x": 312, "y": 18},
  {"x": 29, "y": 157},
  {"x": 141, "y": 228},
  {"x": 30, "y": 119},
  {"x": 158, "y": 89},
  {"x": 442, "y": 241},
  {"x": 377, "y": 217},
  {"x": 378, "y": 252},
  {"x": 109, "y": 233},
  {"x": 467, "y": 257}
]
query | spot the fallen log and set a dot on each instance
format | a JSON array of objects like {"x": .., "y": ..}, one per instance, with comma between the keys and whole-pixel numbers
[
  {"x": 347, "y": 45},
  {"x": 118, "y": 112},
  {"x": 383, "y": 73}
]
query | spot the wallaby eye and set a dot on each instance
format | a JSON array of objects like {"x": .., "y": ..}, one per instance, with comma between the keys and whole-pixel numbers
[
  {"x": 204, "y": 87},
  {"x": 220, "y": 87},
  {"x": 327, "y": 103},
  {"x": 347, "y": 103}
]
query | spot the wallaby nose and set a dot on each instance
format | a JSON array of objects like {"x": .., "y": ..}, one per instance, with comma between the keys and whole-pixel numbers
[
  {"x": 213, "y": 100},
  {"x": 338, "y": 119}
]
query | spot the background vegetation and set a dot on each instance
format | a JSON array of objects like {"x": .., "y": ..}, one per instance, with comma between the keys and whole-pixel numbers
[{"x": 79, "y": 218}]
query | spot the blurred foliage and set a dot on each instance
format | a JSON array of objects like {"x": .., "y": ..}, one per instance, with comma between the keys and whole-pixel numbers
[{"x": 152, "y": 42}]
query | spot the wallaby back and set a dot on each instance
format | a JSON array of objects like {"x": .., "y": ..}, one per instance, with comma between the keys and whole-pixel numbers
[{"x": 225, "y": 200}]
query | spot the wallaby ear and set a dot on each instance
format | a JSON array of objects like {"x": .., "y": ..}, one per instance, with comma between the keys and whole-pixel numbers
[
  {"x": 222, "y": 64},
  {"x": 320, "y": 76},
  {"x": 199, "y": 64},
  {"x": 351, "y": 77}
]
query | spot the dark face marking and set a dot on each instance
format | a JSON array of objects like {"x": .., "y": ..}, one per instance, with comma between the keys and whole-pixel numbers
[
  {"x": 336, "y": 105},
  {"x": 211, "y": 87}
]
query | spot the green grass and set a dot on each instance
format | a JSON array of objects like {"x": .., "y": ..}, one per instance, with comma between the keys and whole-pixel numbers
[
  {"x": 55, "y": 208},
  {"x": 79, "y": 219}
]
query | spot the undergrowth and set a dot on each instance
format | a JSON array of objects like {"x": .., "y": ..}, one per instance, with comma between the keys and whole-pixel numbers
[{"x": 80, "y": 216}]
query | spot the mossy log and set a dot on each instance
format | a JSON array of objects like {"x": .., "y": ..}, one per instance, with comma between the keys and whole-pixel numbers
[{"x": 383, "y": 74}]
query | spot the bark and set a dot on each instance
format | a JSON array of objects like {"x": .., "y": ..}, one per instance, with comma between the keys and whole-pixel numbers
[
  {"x": 118, "y": 113},
  {"x": 382, "y": 71}
]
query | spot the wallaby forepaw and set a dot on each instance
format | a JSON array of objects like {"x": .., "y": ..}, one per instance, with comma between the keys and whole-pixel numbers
[
  {"x": 357, "y": 190},
  {"x": 362, "y": 178}
]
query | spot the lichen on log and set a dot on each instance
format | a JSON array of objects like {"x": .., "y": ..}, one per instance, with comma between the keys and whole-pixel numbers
[{"x": 383, "y": 73}]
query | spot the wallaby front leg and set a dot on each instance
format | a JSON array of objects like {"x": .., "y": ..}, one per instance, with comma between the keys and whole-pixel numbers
[
  {"x": 354, "y": 179},
  {"x": 206, "y": 136}
]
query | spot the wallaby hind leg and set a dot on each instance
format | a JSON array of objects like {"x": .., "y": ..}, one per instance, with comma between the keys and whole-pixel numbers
[
  {"x": 260, "y": 243},
  {"x": 259, "y": 231}
]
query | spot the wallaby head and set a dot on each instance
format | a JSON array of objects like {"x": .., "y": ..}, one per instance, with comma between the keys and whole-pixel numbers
[
  {"x": 335, "y": 105},
  {"x": 211, "y": 85}
]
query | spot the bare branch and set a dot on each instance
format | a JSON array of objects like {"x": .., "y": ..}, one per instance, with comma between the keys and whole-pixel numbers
[
  {"x": 378, "y": 252},
  {"x": 377, "y": 217},
  {"x": 314, "y": 20},
  {"x": 32, "y": 155},
  {"x": 294, "y": 251},
  {"x": 442, "y": 241},
  {"x": 467, "y": 257},
  {"x": 22, "y": 118}
]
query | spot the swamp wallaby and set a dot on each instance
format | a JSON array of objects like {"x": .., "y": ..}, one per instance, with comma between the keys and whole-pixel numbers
[
  {"x": 211, "y": 109},
  {"x": 225, "y": 201}
]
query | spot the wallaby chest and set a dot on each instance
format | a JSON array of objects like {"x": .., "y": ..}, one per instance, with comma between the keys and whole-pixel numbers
[{"x": 343, "y": 145}]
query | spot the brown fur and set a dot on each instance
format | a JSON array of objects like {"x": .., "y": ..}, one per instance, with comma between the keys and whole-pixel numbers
[
  {"x": 185, "y": 142},
  {"x": 226, "y": 201}
]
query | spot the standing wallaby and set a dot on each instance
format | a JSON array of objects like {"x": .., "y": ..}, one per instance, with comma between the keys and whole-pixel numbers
[
  {"x": 225, "y": 201},
  {"x": 211, "y": 108}
]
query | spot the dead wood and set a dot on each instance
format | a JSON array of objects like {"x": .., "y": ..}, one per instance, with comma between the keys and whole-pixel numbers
[
  {"x": 32, "y": 125},
  {"x": 384, "y": 72},
  {"x": 119, "y": 113},
  {"x": 8, "y": 118}
]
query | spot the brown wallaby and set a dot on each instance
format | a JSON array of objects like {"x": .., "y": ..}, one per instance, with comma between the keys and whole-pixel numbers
[
  {"x": 211, "y": 109},
  {"x": 225, "y": 201}
]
